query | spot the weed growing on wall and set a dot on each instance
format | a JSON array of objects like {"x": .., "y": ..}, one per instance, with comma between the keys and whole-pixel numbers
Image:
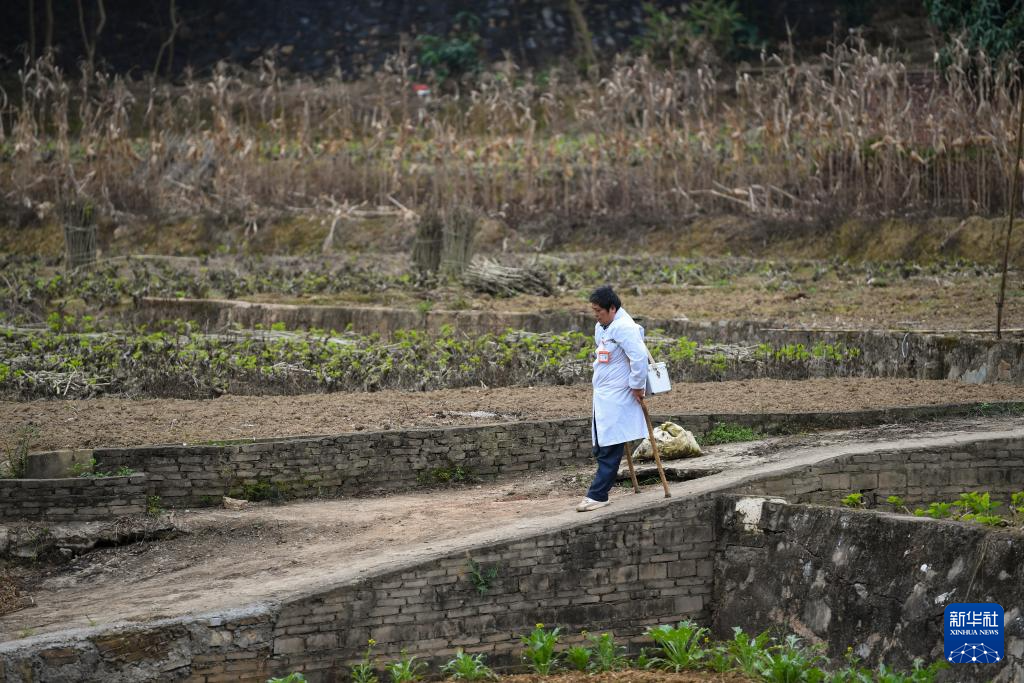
[{"x": 481, "y": 577}]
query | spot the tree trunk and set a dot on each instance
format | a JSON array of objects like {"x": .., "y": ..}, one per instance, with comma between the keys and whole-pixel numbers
[
  {"x": 169, "y": 43},
  {"x": 49, "y": 26},
  {"x": 32, "y": 29},
  {"x": 584, "y": 41},
  {"x": 90, "y": 40}
]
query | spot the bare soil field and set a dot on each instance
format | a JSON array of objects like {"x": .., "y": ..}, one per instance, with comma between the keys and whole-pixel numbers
[{"x": 100, "y": 422}]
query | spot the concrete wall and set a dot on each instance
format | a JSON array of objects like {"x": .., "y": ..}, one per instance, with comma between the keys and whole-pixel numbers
[
  {"x": 919, "y": 477},
  {"x": 623, "y": 573},
  {"x": 875, "y": 581},
  {"x": 72, "y": 499}
]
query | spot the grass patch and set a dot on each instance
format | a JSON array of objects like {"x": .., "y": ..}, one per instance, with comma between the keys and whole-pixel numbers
[{"x": 724, "y": 432}]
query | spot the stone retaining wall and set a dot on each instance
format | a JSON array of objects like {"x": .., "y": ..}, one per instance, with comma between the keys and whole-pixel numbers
[
  {"x": 362, "y": 463},
  {"x": 351, "y": 464},
  {"x": 380, "y": 320},
  {"x": 623, "y": 572},
  {"x": 620, "y": 572},
  {"x": 72, "y": 499},
  {"x": 886, "y": 354},
  {"x": 874, "y": 581},
  {"x": 919, "y": 477}
]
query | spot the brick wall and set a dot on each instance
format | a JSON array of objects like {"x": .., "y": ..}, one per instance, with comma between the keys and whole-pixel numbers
[
  {"x": 72, "y": 499},
  {"x": 917, "y": 476}
]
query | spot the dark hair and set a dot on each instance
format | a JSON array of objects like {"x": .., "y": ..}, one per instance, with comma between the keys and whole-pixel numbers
[{"x": 605, "y": 297}]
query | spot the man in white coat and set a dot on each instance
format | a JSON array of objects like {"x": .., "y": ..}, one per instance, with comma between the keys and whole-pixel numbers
[{"x": 620, "y": 375}]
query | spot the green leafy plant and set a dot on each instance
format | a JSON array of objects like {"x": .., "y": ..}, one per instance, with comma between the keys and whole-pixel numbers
[
  {"x": 718, "y": 658},
  {"x": 988, "y": 26},
  {"x": 791, "y": 662},
  {"x": 975, "y": 503},
  {"x": 466, "y": 667},
  {"x": 83, "y": 469},
  {"x": 365, "y": 670},
  {"x": 153, "y": 506},
  {"x": 578, "y": 657},
  {"x": 406, "y": 670},
  {"x": 680, "y": 645},
  {"x": 1017, "y": 507},
  {"x": 678, "y": 40},
  {"x": 919, "y": 674},
  {"x": 454, "y": 56},
  {"x": 607, "y": 655},
  {"x": 746, "y": 652},
  {"x": 935, "y": 510},
  {"x": 257, "y": 491},
  {"x": 898, "y": 503},
  {"x": 482, "y": 578},
  {"x": 850, "y": 674},
  {"x": 293, "y": 677},
  {"x": 644, "y": 660},
  {"x": 539, "y": 649},
  {"x": 854, "y": 500}
]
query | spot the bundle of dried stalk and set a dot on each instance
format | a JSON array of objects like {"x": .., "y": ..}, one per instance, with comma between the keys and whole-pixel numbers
[{"x": 490, "y": 277}]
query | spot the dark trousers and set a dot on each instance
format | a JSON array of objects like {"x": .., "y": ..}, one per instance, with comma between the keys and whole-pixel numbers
[{"x": 608, "y": 459}]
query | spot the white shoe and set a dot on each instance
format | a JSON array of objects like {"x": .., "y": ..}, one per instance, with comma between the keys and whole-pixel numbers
[{"x": 588, "y": 504}]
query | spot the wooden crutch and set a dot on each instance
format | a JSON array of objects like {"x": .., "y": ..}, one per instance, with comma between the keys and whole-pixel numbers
[{"x": 654, "y": 449}]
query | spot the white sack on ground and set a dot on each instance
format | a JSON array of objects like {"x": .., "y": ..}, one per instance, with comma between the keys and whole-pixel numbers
[{"x": 673, "y": 442}]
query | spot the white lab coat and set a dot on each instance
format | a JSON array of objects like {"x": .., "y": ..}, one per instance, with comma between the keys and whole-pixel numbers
[{"x": 617, "y": 416}]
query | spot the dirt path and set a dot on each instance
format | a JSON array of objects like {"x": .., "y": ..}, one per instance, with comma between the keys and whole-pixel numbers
[
  {"x": 123, "y": 422},
  {"x": 228, "y": 558},
  {"x": 233, "y": 558}
]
